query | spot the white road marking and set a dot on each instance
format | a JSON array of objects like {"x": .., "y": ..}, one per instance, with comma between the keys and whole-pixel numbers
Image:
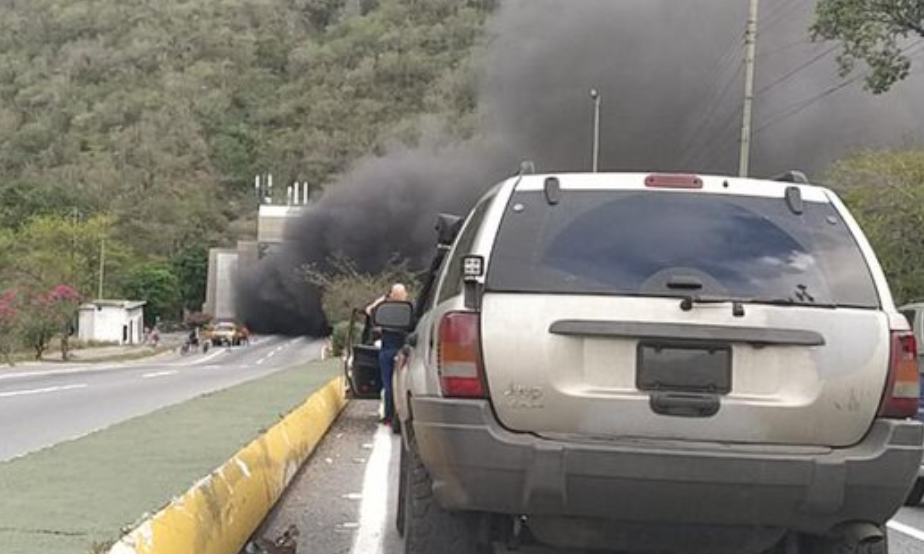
[
  {"x": 159, "y": 374},
  {"x": 68, "y": 371},
  {"x": 260, "y": 361},
  {"x": 46, "y": 390},
  {"x": 205, "y": 358},
  {"x": 374, "y": 508},
  {"x": 907, "y": 530}
]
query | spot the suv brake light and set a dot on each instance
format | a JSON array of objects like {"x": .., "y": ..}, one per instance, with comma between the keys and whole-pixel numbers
[
  {"x": 459, "y": 356},
  {"x": 673, "y": 181},
  {"x": 900, "y": 399}
]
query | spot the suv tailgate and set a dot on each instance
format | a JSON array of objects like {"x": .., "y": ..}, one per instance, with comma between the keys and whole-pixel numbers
[{"x": 588, "y": 383}]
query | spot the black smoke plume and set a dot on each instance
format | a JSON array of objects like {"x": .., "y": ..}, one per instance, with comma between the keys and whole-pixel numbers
[{"x": 670, "y": 75}]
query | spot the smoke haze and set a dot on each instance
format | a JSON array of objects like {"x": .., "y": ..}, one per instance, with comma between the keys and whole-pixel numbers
[{"x": 670, "y": 75}]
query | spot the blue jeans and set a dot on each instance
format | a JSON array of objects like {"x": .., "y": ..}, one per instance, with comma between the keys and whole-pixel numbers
[{"x": 387, "y": 368}]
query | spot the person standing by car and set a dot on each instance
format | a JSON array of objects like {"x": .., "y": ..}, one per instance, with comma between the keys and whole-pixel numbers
[{"x": 392, "y": 341}]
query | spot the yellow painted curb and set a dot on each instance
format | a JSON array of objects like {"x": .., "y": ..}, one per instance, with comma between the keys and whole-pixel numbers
[{"x": 219, "y": 513}]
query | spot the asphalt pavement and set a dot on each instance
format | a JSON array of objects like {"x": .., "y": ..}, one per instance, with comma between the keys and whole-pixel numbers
[
  {"x": 343, "y": 500},
  {"x": 43, "y": 405}
]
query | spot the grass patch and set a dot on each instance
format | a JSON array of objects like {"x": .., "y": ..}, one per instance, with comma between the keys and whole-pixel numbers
[{"x": 76, "y": 495}]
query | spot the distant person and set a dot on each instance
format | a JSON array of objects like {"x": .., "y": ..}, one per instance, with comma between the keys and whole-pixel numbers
[{"x": 392, "y": 341}]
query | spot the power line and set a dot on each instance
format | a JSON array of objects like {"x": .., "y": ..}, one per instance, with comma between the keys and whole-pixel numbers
[
  {"x": 773, "y": 18},
  {"x": 789, "y": 75},
  {"x": 715, "y": 151},
  {"x": 722, "y": 130},
  {"x": 802, "y": 105},
  {"x": 724, "y": 63},
  {"x": 717, "y": 75},
  {"x": 772, "y": 51},
  {"x": 718, "y": 101}
]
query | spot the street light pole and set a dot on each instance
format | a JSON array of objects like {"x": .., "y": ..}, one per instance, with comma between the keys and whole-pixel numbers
[
  {"x": 744, "y": 157},
  {"x": 595, "y": 95}
]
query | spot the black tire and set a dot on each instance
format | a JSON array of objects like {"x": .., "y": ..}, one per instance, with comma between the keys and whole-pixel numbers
[
  {"x": 916, "y": 494},
  {"x": 428, "y": 528},
  {"x": 843, "y": 543}
]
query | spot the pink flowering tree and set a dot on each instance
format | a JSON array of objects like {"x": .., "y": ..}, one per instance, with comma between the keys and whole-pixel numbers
[
  {"x": 10, "y": 312},
  {"x": 49, "y": 314}
]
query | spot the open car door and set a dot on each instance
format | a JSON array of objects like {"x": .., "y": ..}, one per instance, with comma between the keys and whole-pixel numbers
[{"x": 361, "y": 366}]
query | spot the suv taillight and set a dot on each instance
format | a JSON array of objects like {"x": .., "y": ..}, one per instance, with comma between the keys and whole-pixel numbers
[
  {"x": 900, "y": 399},
  {"x": 459, "y": 356}
]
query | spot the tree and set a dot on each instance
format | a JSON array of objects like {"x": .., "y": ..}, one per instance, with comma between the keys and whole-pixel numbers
[
  {"x": 156, "y": 284},
  {"x": 52, "y": 249},
  {"x": 10, "y": 310},
  {"x": 191, "y": 267},
  {"x": 885, "y": 192},
  {"x": 344, "y": 287},
  {"x": 46, "y": 315},
  {"x": 874, "y": 32}
]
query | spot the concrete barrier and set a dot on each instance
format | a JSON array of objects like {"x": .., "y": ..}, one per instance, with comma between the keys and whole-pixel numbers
[{"x": 220, "y": 512}]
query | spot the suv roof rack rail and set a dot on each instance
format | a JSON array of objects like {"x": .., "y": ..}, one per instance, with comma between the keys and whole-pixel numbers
[{"x": 791, "y": 177}]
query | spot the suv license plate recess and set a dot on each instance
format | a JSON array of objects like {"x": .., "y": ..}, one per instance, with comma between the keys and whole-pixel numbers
[{"x": 684, "y": 367}]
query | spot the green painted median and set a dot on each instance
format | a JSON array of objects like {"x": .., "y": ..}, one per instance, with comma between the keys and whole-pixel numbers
[{"x": 76, "y": 497}]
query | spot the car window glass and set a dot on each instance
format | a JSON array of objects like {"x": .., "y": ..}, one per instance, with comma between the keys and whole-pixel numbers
[
  {"x": 452, "y": 279},
  {"x": 909, "y": 315},
  {"x": 638, "y": 242}
]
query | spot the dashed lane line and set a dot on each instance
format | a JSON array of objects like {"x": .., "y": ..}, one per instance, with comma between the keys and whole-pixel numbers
[
  {"x": 156, "y": 374},
  {"x": 46, "y": 390}
]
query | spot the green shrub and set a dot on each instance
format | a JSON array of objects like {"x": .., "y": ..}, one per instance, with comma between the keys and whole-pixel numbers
[{"x": 339, "y": 337}]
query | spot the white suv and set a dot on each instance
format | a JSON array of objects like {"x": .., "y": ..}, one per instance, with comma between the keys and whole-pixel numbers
[
  {"x": 656, "y": 363},
  {"x": 914, "y": 312}
]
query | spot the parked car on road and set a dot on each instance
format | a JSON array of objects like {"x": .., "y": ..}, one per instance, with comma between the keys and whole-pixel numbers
[
  {"x": 914, "y": 312},
  {"x": 225, "y": 333},
  {"x": 361, "y": 358},
  {"x": 662, "y": 363}
]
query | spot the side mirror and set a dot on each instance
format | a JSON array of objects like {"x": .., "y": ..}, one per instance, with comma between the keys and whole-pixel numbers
[
  {"x": 394, "y": 315},
  {"x": 447, "y": 228}
]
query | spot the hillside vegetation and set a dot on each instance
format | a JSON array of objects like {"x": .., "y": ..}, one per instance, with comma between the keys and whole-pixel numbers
[{"x": 142, "y": 123}]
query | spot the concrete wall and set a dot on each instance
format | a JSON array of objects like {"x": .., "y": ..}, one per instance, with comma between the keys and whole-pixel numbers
[
  {"x": 226, "y": 263},
  {"x": 272, "y": 221},
  {"x": 220, "y": 294},
  {"x": 111, "y": 323}
]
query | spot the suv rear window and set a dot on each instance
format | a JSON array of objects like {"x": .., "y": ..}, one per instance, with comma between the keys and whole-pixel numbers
[{"x": 668, "y": 243}]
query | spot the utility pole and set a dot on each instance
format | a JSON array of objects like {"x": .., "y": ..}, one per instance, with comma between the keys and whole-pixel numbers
[
  {"x": 102, "y": 267},
  {"x": 595, "y": 95},
  {"x": 750, "y": 52}
]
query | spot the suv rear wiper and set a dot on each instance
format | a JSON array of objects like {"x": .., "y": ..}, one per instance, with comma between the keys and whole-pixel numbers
[
  {"x": 791, "y": 302},
  {"x": 689, "y": 302}
]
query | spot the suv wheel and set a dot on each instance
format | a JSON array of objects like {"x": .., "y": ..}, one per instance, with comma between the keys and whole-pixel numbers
[
  {"x": 428, "y": 528},
  {"x": 916, "y": 494}
]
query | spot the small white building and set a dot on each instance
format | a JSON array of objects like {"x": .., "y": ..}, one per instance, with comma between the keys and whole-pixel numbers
[{"x": 112, "y": 321}]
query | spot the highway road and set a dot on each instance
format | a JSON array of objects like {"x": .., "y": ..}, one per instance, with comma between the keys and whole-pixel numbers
[
  {"x": 40, "y": 407},
  {"x": 343, "y": 500}
]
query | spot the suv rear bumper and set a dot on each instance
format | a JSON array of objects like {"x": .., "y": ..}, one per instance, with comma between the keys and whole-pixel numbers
[{"x": 476, "y": 464}]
